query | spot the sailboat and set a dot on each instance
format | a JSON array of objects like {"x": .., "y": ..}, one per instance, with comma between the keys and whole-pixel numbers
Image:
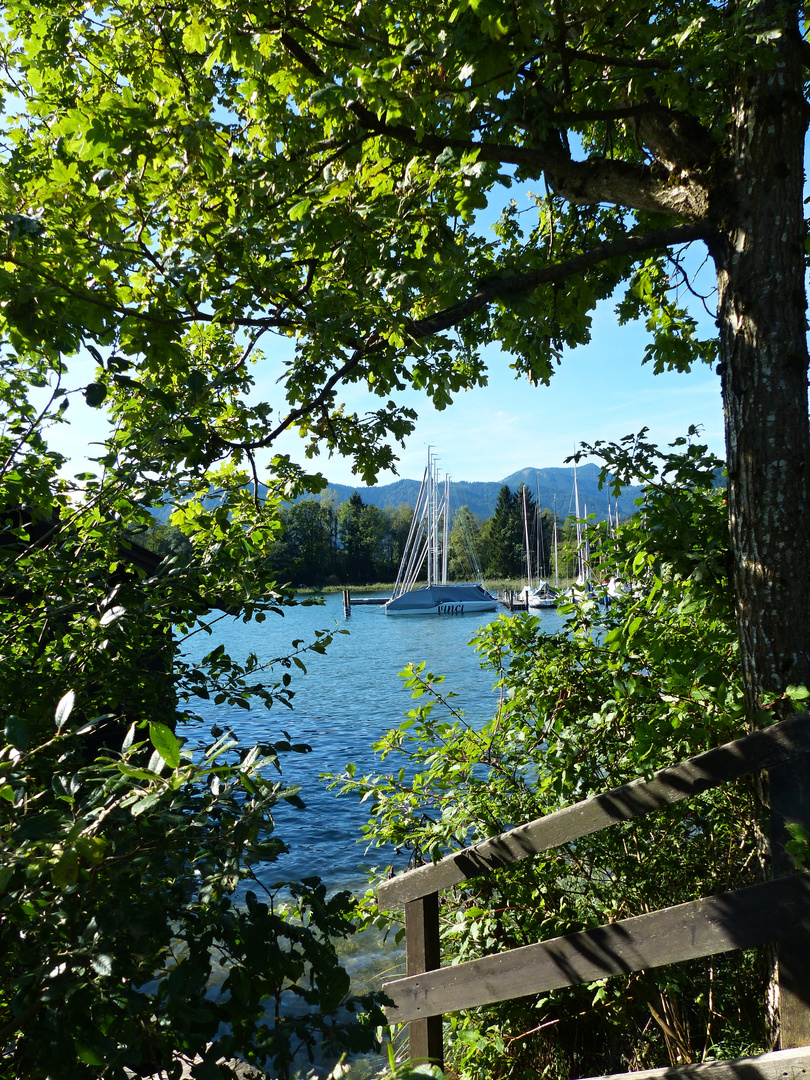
[
  {"x": 428, "y": 543},
  {"x": 583, "y": 587},
  {"x": 541, "y": 596}
]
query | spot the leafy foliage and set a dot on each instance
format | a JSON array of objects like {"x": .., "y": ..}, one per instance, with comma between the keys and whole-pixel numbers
[
  {"x": 314, "y": 172},
  {"x": 122, "y": 943},
  {"x": 132, "y": 922},
  {"x": 178, "y": 184},
  {"x": 626, "y": 689}
]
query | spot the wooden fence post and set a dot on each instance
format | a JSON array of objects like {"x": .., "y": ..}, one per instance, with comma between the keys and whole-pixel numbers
[
  {"x": 789, "y": 796},
  {"x": 422, "y": 954}
]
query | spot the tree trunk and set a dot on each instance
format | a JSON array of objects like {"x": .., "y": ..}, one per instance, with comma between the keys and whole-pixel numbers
[{"x": 764, "y": 361}]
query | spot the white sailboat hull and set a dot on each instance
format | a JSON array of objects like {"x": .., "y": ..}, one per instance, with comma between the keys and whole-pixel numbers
[
  {"x": 544, "y": 601},
  {"x": 541, "y": 597}
]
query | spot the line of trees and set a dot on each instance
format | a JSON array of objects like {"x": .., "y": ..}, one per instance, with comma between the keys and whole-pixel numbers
[
  {"x": 351, "y": 543},
  {"x": 325, "y": 543}
]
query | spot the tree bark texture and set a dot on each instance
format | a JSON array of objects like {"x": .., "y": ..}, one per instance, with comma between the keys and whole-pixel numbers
[
  {"x": 764, "y": 361},
  {"x": 760, "y": 263}
]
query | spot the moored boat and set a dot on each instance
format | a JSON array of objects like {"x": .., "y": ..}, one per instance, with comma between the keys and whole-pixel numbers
[
  {"x": 428, "y": 541},
  {"x": 541, "y": 597},
  {"x": 450, "y": 599}
]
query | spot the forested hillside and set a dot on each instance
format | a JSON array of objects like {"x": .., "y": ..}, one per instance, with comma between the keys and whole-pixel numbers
[{"x": 326, "y": 543}]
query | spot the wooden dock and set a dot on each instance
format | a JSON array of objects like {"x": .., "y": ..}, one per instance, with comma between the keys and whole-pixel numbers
[
  {"x": 512, "y": 599},
  {"x": 350, "y": 601},
  {"x": 776, "y": 910}
]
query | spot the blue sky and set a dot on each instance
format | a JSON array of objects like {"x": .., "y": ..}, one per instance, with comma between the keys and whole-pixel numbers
[{"x": 600, "y": 391}]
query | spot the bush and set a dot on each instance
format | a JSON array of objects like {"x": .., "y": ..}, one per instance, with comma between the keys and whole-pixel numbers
[
  {"x": 132, "y": 923},
  {"x": 624, "y": 690}
]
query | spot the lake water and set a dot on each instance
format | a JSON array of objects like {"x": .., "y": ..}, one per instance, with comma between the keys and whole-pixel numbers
[{"x": 345, "y": 701}]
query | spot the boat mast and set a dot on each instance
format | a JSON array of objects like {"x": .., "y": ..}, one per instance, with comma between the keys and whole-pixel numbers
[
  {"x": 413, "y": 551},
  {"x": 540, "y": 547},
  {"x": 526, "y": 538},
  {"x": 580, "y": 576},
  {"x": 556, "y": 561},
  {"x": 435, "y": 530},
  {"x": 446, "y": 528},
  {"x": 431, "y": 519}
]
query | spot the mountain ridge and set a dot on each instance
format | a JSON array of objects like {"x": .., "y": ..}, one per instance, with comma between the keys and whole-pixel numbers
[{"x": 481, "y": 495}]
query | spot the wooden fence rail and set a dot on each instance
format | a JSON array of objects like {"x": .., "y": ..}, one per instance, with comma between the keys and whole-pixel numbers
[{"x": 771, "y": 911}]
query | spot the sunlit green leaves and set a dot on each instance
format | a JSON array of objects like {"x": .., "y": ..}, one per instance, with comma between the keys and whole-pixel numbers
[
  {"x": 626, "y": 688},
  {"x": 65, "y": 708},
  {"x": 674, "y": 343},
  {"x": 166, "y": 744},
  {"x": 250, "y": 176}
]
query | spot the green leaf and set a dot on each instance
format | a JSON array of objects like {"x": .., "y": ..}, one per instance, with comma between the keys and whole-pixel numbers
[
  {"x": 66, "y": 871},
  {"x": 89, "y": 1056},
  {"x": 166, "y": 743},
  {"x": 333, "y": 985},
  {"x": 300, "y": 209},
  {"x": 95, "y": 394},
  {"x": 17, "y": 731},
  {"x": 65, "y": 708},
  {"x": 102, "y": 964},
  {"x": 194, "y": 37},
  {"x": 146, "y": 803},
  {"x": 37, "y": 825}
]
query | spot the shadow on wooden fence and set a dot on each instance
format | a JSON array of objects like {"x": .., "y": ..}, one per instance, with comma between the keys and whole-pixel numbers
[{"x": 776, "y": 910}]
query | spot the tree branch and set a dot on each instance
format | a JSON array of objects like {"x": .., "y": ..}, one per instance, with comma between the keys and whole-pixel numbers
[
  {"x": 500, "y": 288},
  {"x": 175, "y": 318},
  {"x": 619, "y": 61},
  {"x": 597, "y": 180},
  {"x": 490, "y": 290},
  {"x": 320, "y": 400},
  {"x": 620, "y": 112}
]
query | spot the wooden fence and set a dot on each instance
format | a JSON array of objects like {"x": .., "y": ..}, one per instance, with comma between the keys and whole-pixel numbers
[{"x": 776, "y": 910}]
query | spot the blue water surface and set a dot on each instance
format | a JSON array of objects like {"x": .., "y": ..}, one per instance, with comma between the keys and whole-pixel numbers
[{"x": 343, "y": 703}]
